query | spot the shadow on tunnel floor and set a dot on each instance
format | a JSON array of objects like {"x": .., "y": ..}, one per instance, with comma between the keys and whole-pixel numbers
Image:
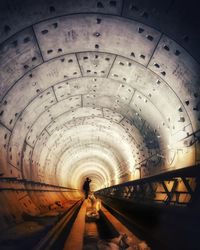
[
  {"x": 25, "y": 235},
  {"x": 162, "y": 228}
]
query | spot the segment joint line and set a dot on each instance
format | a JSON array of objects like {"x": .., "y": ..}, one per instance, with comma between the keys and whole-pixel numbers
[
  {"x": 37, "y": 42},
  {"x": 161, "y": 35}
]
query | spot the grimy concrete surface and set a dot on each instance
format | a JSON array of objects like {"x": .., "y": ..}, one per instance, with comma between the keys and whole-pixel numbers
[{"x": 105, "y": 89}]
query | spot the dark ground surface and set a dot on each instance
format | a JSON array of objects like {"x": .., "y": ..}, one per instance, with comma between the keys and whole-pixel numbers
[{"x": 161, "y": 228}]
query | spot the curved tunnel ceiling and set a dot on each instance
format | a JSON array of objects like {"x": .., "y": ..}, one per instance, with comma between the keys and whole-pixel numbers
[{"x": 99, "y": 89}]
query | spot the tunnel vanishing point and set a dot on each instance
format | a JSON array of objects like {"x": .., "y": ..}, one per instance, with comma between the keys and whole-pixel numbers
[{"x": 103, "y": 89}]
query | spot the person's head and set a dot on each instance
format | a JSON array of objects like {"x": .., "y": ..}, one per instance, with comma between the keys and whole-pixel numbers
[{"x": 87, "y": 178}]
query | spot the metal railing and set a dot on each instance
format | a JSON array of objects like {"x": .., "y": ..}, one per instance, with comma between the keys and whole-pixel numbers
[{"x": 172, "y": 188}]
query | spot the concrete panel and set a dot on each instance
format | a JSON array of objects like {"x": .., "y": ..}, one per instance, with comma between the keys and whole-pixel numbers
[
  {"x": 57, "y": 70},
  {"x": 50, "y": 115},
  {"x": 76, "y": 87},
  {"x": 80, "y": 135},
  {"x": 95, "y": 64},
  {"x": 85, "y": 33},
  {"x": 4, "y": 139},
  {"x": 87, "y": 121},
  {"x": 79, "y": 112},
  {"x": 73, "y": 102},
  {"x": 135, "y": 118},
  {"x": 152, "y": 87},
  {"x": 36, "y": 171},
  {"x": 110, "y": 102},
  {"x": 23, "y": 124},
  {"x": 75, "y": 122},
  {"x": 89, "y": 85},
  {"x": 178, "y": 68},
  {"x": 45, "y": 119},
  {"x": 133, "y": 132},
  {"x": 172, "y": 18},
  {"x": 183, "y": 157},
  {"x": 16, "y": 15},
  {"x": 140, "y": 102},
  {"x": 14, "y": 172},
  {"x": 167, "y": 16},
  {"x": 111, "y": 115},
  {"x": 18, "y": 55},
  {"x": 158, "y": 121},
  {"x": 125, "y": 93},
  {"x": 151, "y": 139},
  {"x": 73, "y": 119},
  {"x": 37, "y": 127},
  {"x": 34, "y": 83},
  {"x": 183, "y": 133}
]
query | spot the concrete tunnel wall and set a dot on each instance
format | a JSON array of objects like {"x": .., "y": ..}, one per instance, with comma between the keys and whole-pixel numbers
[{"x": 106, "y": 89}]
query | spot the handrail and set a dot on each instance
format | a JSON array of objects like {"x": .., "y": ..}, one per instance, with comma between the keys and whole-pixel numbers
[{"x": 172, "y": 188}]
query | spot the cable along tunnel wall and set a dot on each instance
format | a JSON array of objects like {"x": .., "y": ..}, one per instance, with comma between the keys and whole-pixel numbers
[{"x": 77, "y": 101}]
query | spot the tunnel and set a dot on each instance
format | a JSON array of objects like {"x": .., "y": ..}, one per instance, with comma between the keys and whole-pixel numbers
[{"x": 108, "y": 90}]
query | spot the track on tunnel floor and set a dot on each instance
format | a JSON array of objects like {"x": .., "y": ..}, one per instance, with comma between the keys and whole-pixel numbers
[
  {"x": 28, "y": 234},
  {"x": 57, "y": 234},
  {"x": 87, "y": 226}
]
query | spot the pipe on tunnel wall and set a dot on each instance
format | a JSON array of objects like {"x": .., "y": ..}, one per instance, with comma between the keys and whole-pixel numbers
[{"x": 102, "y": 88}]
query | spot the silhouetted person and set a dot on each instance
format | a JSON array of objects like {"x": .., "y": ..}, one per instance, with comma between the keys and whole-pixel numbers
[{"x": 86, "y": 187}]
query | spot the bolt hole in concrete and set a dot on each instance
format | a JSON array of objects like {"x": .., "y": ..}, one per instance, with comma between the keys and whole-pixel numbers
[{"x": 7, "y": 28}]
